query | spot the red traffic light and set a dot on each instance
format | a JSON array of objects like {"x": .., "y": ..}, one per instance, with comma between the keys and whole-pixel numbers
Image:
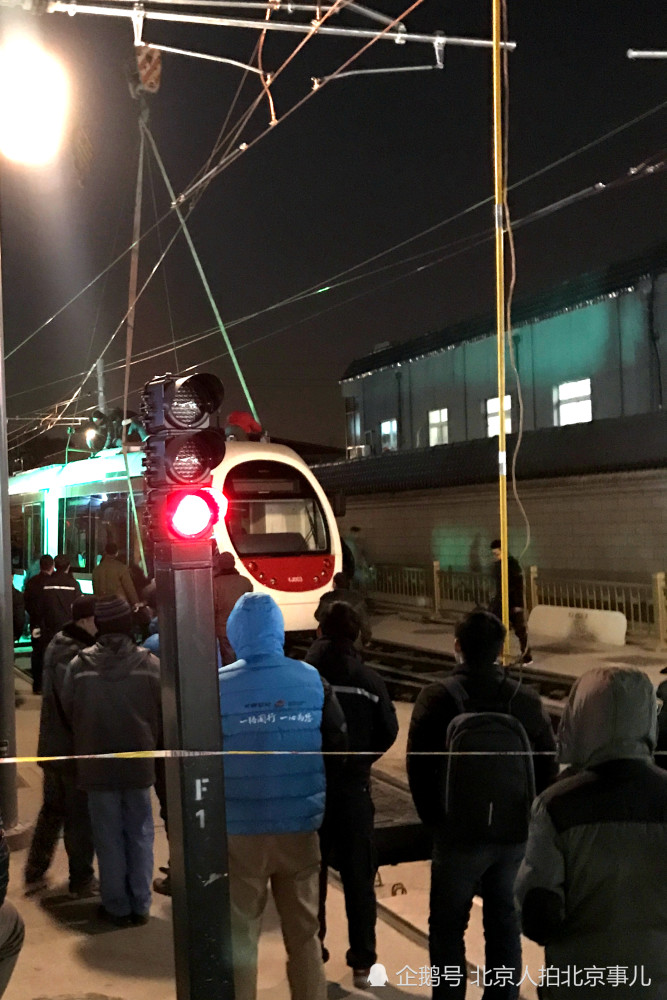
[{"x": 192, "y": 514}]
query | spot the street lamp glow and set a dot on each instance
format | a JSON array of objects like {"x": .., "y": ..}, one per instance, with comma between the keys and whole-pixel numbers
[{"x": 35, "y": 97}]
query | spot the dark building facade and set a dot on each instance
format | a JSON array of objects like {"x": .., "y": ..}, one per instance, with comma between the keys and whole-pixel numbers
[
  {"x": 594, "y": 349},
  {"x": 422, "y": 423}
]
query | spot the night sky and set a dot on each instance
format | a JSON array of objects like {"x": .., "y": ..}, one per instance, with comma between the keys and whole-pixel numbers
[{"x": 368, "y": 162}]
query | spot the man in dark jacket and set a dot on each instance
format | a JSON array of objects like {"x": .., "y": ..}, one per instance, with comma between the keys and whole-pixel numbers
[
  {"x": 33, "y": 604},
  {"x": 592, "y": 884},
  {"x": 346, "y": 835},
  {"x": 461, "y": 869},
  {"x": 275, "y": 801},
  {"x": 12, "y": 929},
  {"x": 517, "y": 614},
  {"x": 342, "y": 592},
  {"x": 228, "y": 586},
  {"x": 111, "y": 697},
  {"x": 64, "y": 806},
  {"x": 58, "y": 595}
]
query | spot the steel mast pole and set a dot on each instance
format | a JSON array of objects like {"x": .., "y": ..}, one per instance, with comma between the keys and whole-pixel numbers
[
  {"x": 8, "y": 794},
  {"x": 132, "y": 296},
  {"x": 499, "y": 186}
]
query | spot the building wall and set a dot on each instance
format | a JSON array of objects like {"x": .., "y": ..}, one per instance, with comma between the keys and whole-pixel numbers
[
  {"x": 617, "y": 342},
  {"x": 602, "y": 527}
]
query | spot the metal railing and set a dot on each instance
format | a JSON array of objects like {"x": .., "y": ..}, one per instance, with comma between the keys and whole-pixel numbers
[
  {"x": 643, "y": 604},
  {"x": 411, "y": 586},
  {"x": 459, "y": 588}
]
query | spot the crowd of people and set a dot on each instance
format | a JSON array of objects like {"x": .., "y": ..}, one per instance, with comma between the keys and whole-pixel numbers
[{"x": 576, "y": 860}]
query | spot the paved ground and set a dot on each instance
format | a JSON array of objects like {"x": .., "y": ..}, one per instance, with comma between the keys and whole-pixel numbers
[{"x": 68, "y": 955}]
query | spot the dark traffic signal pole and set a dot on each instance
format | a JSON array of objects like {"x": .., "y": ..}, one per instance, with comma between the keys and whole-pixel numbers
[
  {"x": 195, "y": 785},
  {"x": 181, "y": 453}
]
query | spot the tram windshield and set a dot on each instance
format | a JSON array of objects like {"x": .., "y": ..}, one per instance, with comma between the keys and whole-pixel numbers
[{"x": 273, "y": 511}]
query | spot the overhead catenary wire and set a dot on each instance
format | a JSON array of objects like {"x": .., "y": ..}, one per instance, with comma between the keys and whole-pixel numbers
[
  {"x": 313, "y": 289},
  {"x": 471, "y": 208},
  {"x": 465, "y": 244},
  {"x": 205, "y": 180},
  {"x": 172, "y": 331},
  {"x": 377, "y": 71},
  {"x": 376, "y": 36},
  {"x": 202, "y": 274},
  {"x": 455, "y": 248},
  {"x": 205, "y": 56},
  {"x": 510, "y": 296}
]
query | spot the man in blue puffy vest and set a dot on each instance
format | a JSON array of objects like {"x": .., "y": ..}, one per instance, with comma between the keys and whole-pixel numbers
[{"x": 275, "y": 801}]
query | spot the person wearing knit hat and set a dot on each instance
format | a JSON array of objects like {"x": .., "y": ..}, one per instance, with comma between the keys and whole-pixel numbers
[
  {"x": 111, "y": 697},
  {"x": 64, "y": 806}
]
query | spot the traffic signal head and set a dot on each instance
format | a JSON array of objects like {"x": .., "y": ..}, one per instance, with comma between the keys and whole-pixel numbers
[
  {"x": 182, "y": 404},
  {"x": 181, "y": 453}
]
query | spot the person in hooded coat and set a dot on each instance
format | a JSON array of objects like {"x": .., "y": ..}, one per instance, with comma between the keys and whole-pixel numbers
[
  {"x": 591, "y": 887},
  {"x": 275, "y": 800}
]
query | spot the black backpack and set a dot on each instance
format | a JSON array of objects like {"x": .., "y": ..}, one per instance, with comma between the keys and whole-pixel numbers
[{"x": 488, "y": 783}]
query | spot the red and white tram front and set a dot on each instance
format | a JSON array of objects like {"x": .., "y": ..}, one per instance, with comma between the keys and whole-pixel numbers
[{"x": 280, "y": 527}]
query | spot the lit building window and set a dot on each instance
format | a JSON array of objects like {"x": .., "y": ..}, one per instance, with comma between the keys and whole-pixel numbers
[
  {"x": 437, "y": 427},
  {"x": 389, "y": 435},
  {"x": 493, "y": 416},
  {"x": 572, "y": 403}
]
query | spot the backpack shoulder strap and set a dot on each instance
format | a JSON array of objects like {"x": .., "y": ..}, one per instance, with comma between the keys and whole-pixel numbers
[
  {"x": 458, "y": 693},
  {"x": 505, "y": 689}
]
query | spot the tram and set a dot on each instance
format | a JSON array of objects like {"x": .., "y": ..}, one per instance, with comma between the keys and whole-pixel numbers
[{"x": 279, "y": 524}]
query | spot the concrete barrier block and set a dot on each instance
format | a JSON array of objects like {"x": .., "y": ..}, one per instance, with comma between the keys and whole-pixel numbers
[{"x": 576, "y": 626}]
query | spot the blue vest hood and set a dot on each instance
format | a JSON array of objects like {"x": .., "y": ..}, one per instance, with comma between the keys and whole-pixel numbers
[{"x": 256, "y": 627}]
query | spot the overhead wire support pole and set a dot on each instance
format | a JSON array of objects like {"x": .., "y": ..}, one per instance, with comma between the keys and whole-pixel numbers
[
  {"x": 72, "y": 7},
  {"x": 202, "y": 275},
  {"x": 499, "y": 188},
  {"x": 8, "y": 791},
  {"x": 132, "y": 302}
]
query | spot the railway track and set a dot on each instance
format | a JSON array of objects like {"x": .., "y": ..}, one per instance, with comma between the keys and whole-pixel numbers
[{"x": 407, "y": 670}]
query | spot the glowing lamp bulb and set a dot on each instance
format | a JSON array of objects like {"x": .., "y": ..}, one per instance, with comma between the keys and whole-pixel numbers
[
  {"x": 90, "y": 436},
  {"x": 34, "y": 106},
  {"x": 191, "y": 515}
]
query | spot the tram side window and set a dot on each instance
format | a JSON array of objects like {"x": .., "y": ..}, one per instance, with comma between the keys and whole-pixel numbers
[
  {"x": 74, "y": 531},
  {"x": 88, "y": 523},
  {"x": 26, "y": 535},
  {"x": 109, "y": 524}
]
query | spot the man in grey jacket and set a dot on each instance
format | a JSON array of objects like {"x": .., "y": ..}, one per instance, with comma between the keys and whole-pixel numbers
[
  {"x": 65, "y": 805},
  {"x": 592, "y": 884},
  {"x": 111, "y": 697}
]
